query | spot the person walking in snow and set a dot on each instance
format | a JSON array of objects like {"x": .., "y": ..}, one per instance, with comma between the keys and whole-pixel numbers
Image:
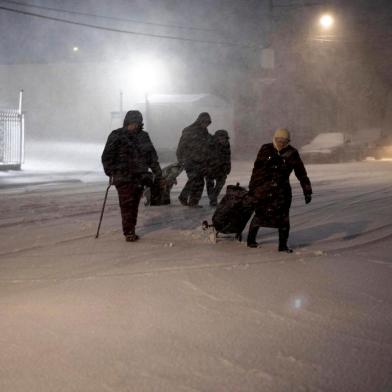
[
  {"x": 126, "y": 159},
  {"x": 218, "y": 165},
  {"x": 192, "y": 154},
  {"x": 270, "y": 187}
]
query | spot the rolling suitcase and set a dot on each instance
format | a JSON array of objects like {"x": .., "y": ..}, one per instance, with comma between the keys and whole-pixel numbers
[{"x": 233, "y": 212}]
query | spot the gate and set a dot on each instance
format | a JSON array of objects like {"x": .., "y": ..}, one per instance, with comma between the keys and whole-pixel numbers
[{"x": 11, "y": 138}]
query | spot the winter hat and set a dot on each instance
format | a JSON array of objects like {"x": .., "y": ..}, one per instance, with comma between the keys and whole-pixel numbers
[
  {"x": 283, "y": 133},
  {"x": 133, "y": 116},
  {"x": 222, "y": 133},
  {"x": 204, "y": 117}
]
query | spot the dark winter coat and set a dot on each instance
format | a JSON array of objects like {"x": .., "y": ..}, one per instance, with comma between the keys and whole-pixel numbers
[
  {"x": 192, "y": 150},
  {"x": 128, "y": 156},
  {"x": 219, "y": 158},
  {"x": 270, "y": 185}
]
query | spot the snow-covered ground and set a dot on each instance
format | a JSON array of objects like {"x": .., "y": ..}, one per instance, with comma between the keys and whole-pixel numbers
[{"x": 174, "y": 312}]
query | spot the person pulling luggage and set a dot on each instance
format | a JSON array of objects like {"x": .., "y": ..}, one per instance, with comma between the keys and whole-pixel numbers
[{"x": 270, "y": 187}]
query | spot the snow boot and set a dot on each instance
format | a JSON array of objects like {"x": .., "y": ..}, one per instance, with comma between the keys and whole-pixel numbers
[
  {"x": 131, "y": 237},
  {"x": 252, "y": 234},
  {"x": 285, "y": 248},
  {"x": 283, "y": 237},
  {"x": 183, "y": 200}
]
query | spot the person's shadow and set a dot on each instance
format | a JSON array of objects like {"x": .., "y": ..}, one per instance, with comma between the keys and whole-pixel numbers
[
  {"x": 174, "y": 216},
  {"x": 345, "y": 230},
  {"x": 177, "y": 217}
]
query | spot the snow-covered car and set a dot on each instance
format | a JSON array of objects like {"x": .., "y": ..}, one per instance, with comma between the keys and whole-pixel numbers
[
  {"x": 331, "y": 147},
  {"x": 384, "y": 152},
  {"x": 382, "y": 148}
]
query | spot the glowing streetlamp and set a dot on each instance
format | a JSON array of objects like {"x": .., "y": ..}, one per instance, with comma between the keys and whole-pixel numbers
[
  {"x": 144, "y": 76},
  {"x": 326, "y": 21}
]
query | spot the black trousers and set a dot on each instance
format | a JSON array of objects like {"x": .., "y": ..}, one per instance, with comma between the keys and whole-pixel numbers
[
  {"x": 214, "y": 186},
  {"x": 254, "y": 226},
  {"x": 129, "y": 195},
  {"x": 193, "y": 189}
]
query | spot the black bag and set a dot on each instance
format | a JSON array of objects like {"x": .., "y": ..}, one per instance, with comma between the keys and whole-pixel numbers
[
  {"x": 234, "y": 211},
  {"x": 146, "y": 179},
  {"x": 161, "y": 187},
  {"x": 156, "y": 193}
]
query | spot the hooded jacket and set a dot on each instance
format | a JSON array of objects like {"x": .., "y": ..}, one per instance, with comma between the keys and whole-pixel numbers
[
  {"x": 194, "y": 143},
  {"x": 128, "y": 155},
  {"x": 219, "y": 157}
]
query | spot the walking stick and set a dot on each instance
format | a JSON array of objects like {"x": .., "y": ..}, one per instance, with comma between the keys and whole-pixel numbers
[{"x": 103, "y": 208}]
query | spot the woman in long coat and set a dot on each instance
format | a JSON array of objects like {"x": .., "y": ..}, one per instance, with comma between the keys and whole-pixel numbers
[{"x": 271, "y": 190}]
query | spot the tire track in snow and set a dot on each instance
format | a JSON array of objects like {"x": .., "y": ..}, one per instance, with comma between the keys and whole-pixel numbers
[{"x": 165, "y": 270}]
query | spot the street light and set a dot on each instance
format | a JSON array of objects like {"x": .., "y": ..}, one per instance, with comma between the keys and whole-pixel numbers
[
  {"x": 326, "y": 21},
  {"x": 144, "y": 76}
]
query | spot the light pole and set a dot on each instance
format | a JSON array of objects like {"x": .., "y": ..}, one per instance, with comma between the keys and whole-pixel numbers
[{"x": 326, "y": 23}]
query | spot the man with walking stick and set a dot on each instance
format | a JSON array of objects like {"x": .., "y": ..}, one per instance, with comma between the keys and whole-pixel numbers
[{"x": 126, "y": 159}]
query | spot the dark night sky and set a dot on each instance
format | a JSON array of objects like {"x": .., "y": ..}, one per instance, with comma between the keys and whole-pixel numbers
[
  {"x": 27, "y": 39},
  {"x": 361, "y": 51},
  {"x": 30, "y": 39}
]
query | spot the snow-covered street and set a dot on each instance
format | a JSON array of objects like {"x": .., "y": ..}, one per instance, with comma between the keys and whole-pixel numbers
[{"x": 174, "y": 312}]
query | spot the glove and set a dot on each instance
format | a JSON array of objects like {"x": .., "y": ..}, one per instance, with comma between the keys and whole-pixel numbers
[
  {"x": 308, "y": 198},
  {"x": 147, "y": 180}
]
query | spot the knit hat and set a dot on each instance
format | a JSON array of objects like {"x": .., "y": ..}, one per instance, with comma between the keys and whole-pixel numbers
[
  {"x": 222, "y": 133},
  {"x": 283, "y": 133},
  {"x": 204, "y": 116},
  {"x": 133, "y": 116}
]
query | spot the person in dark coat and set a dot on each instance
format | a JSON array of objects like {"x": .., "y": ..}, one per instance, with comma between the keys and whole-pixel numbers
[
  {"x": 127, "y": 158},
  {"x": 218, "y": 165},
  {"x": 192, "y": 154},
  {"x": 270, "y": 187}
]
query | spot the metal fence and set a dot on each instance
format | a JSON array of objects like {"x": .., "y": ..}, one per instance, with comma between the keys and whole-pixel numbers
[{"x": 11, "y": 139}]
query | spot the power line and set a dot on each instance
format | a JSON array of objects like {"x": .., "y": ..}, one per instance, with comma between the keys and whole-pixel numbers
[
  {"x": 295, "y": 5},
  {"x": 106, "y": 17},
  {"x": 161, "y": 36}
]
